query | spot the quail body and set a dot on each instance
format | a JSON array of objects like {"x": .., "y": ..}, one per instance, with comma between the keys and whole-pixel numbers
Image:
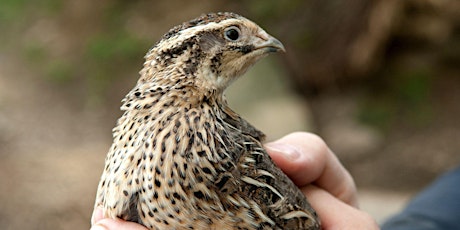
[{"x": 181, "y": 158}]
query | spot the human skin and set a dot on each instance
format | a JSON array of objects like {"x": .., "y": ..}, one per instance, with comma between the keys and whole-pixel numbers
[{"x": 315, "y": 169}]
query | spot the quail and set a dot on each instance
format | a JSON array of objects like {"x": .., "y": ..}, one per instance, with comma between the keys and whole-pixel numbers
[{"x": 181, "y": 158}]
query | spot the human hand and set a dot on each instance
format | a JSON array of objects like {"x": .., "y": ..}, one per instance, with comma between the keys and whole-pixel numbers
[{"x": 330, "y": 189}]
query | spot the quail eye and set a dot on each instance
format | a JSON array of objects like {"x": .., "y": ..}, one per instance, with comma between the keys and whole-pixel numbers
[{"x": 232, "y": 33}]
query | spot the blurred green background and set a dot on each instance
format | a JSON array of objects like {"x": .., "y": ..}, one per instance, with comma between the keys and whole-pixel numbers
[{"x": 379, "y": 80}]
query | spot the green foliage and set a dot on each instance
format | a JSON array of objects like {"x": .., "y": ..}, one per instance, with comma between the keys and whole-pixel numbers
[
  {"x": 18, "y": 11},
  {"x": 51, "y": 6},
  {"x": 414, "y": 92},
  {"x": 105, "y": 55},
  {"x": 108, "y": 48},
  {"x": 377, "y": 112},
  {"x": 34, "y": 53},
  {"x": 91, "y": 63},
  {"x": 403, "y": 95},
  {"x": 414, "y": 87},
  {"x": 303, "y": 39},
  {"x": 59, "y": 71},
  {"x": 11, "y": 10}
]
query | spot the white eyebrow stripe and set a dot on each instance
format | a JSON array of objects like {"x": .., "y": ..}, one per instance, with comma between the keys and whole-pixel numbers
[{"x": 185, "y": 34}]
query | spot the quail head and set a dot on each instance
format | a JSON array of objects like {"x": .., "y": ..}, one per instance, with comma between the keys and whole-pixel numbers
[{"x": 181, "y": 158}]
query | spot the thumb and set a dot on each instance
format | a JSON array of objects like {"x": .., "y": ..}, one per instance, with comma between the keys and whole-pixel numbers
[
  {"x": 108, "y": 224},
  {"x": 334, "y": 213},
  {"x": 100, "y": 223}
]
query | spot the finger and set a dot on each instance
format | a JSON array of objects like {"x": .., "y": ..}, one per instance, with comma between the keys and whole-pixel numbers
[
  {"x": 338, "y": 181},
  {"x": 335, "y": 214},
  {"x": 306, "y": 159},
  {"x": 299, "y": 157},
  {"x": 97, "y": 215},
  {"x": 108, "y": 224}
]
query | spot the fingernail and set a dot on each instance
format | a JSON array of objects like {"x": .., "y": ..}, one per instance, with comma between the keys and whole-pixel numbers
[
  {"x": 289, "y": 151},
  {"x": 98, "y": 227}
]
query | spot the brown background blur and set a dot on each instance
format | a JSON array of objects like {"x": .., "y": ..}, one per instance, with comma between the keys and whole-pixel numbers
[{"x": 379, "y": 80}]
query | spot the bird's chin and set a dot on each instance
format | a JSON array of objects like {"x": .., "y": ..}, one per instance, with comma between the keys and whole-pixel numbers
[
  {"x": 248, "y": 60},
  {"x": 254, "y": 56},
  {"x": 267, "y": 49},
  {"x": 261, "y": 52}
]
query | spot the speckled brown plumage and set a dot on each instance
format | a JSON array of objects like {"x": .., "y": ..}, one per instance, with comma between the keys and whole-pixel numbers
[{"x": 181, "y": 158}]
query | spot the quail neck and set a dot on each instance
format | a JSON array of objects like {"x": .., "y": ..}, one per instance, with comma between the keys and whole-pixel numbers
[{"x": 181, "y": 158}]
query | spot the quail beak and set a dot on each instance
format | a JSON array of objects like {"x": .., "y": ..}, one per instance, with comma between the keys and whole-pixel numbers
[{"x": 269, "y": 44}]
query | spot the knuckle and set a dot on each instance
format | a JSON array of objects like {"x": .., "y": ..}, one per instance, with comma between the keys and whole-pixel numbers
[{"x": 314, "y": 140}]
